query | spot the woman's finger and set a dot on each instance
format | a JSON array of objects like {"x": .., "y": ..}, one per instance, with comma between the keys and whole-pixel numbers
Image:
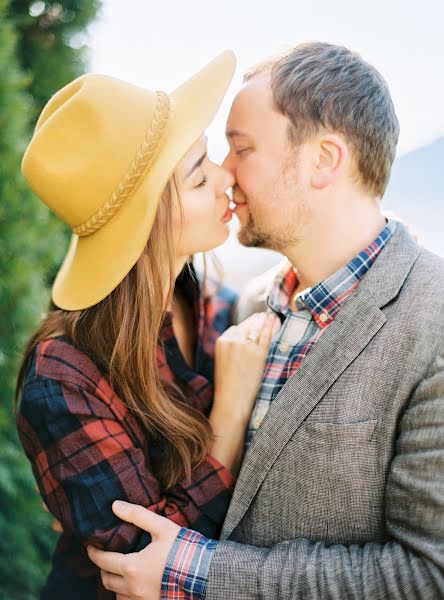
[
  {"x": 253, "y": 336},
  {"x": 254, "y": 321},
  {"x": 266, "y": 332},
  {"x": 57, "y": 526},
  {"x": 230, "y": 334}
]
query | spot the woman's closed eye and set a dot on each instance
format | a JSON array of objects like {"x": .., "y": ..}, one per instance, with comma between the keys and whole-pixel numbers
[
  {"x": 240, "y": 151},
  {"x": 203, "y": 182}
]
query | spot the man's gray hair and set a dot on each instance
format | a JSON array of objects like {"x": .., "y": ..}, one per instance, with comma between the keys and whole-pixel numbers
[{"x": 323, "y": 85}]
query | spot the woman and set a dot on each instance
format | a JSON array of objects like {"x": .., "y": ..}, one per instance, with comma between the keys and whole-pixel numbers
[{"x": 116, "y": 387}]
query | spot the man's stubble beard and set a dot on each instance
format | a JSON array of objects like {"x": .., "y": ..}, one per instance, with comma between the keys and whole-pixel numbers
[
  {"x": 291, "y": 230},
  {"x": 276, "y": 238},
  {"x": 252, "y": 236}
]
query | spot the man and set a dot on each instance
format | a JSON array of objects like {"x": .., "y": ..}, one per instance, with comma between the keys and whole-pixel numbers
[{"x": 341, "y": 492}]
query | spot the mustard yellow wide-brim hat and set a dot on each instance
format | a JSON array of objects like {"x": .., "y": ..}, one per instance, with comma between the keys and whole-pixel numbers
[{"x": 102, "y": 152}]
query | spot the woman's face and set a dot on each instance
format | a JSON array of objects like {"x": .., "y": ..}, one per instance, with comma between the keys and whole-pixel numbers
[{"x": 203, "y": 223}]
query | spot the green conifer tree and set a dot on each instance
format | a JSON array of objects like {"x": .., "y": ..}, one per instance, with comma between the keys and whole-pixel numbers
[{"x": 39, "y": 53}]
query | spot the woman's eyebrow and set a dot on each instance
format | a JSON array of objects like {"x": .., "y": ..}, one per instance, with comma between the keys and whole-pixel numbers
[{"x": 196, "y": 165}]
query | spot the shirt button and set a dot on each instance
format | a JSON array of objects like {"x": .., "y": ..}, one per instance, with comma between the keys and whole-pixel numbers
[
  {"x": 257, "y": 422},
  {"x": 323, "y": 317},
  {"x": 283, "y": 347}
]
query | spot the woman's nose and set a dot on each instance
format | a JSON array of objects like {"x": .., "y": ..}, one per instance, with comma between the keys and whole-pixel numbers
[{"x": 228, "y": 163}]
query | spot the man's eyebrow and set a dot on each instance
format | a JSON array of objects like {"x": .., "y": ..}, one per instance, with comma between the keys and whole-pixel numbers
[
  {"x": 230, "y": 133},
  {"x": 196, "y": 165}
]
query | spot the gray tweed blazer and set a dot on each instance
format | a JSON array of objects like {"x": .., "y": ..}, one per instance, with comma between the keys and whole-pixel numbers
[{"x": 341, "y": 493}]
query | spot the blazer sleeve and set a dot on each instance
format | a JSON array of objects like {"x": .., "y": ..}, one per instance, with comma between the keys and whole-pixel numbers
[
  {"x": 408, "y": 566},
  {"x": 84, "y": 457}
]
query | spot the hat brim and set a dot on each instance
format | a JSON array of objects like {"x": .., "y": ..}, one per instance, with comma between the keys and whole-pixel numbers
[{"x": 95, "y": 265}]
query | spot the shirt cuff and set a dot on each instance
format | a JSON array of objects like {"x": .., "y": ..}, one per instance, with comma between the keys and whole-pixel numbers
[{"x": 187, "y": 567}]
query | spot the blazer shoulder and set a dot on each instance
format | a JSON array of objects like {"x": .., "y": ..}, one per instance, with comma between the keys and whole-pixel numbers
[
  {"x": 428, "y": 275},
  {"x": 431, "y": 262},
  {"x": 423, "y": 294}
]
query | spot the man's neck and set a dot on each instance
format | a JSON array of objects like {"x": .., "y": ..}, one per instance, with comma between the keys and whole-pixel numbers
[{"x": 330, "y": 247}]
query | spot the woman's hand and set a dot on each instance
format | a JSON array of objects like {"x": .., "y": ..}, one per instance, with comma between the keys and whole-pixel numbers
[{"x": 240, "y": 357}]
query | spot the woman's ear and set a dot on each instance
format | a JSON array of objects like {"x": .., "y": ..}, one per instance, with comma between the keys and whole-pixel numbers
[{"x": 331, "y": 157}]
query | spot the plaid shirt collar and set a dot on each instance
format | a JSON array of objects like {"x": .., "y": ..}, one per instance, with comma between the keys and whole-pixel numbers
[{"x": 325, "y": 299}]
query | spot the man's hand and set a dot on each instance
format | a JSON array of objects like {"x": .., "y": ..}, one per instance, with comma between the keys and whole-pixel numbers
[{"x": 137, "y": 576}]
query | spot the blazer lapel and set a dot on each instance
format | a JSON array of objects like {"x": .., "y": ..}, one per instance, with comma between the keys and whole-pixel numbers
[{"x": 354, "y": 327}]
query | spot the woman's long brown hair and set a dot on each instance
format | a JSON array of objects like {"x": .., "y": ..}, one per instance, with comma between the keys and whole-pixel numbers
[{"x": 122, "y": 333}]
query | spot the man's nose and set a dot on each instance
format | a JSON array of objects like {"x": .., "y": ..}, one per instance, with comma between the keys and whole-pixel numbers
[
  {"x": 228, "y": 178},
  {"x": 228, "y": 164}
]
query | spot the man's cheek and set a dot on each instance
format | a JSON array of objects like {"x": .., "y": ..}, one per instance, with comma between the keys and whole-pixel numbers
[{"x": 252, "y": 179}]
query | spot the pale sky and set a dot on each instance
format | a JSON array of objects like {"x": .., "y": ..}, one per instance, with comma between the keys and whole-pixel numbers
[{"x": 159, "y": 44}]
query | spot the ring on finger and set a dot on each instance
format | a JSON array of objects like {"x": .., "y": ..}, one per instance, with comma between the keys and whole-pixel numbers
[{"x": 253, "y": 336}]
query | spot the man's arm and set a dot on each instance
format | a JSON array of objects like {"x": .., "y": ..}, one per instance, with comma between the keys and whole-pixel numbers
[{"x": 410, "y": 565}]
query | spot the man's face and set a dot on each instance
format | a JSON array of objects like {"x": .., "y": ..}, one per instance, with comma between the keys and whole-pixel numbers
[{"x": 270, "y": 190}]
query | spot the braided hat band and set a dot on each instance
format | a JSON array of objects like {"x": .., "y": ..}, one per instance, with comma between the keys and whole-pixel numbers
[{"x": 144, "y": 158}]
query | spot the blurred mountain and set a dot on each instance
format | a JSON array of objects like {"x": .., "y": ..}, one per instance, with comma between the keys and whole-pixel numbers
[{"x": 416, "y": 193}]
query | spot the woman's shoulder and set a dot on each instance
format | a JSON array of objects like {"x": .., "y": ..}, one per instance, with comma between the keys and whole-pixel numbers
[
  {"x": 62, "y": 386},
  {"x": 58, "y": 359}
]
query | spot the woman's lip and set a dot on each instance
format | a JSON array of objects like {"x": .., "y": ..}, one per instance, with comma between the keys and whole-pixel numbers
[{"x": 228, "y": 215}]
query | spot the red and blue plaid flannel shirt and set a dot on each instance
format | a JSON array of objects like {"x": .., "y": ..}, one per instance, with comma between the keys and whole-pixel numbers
[
  {"x": 188, "y": 563},
  {"x": 87, "y": 449}
]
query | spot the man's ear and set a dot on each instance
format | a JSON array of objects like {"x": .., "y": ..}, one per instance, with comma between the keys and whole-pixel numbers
[{"x": 332, "y": 153}]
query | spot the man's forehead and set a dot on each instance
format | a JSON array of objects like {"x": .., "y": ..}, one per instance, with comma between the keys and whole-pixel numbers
[
  {"x": 251, "y": 101},
  {"x": 256, "y": 88}
]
